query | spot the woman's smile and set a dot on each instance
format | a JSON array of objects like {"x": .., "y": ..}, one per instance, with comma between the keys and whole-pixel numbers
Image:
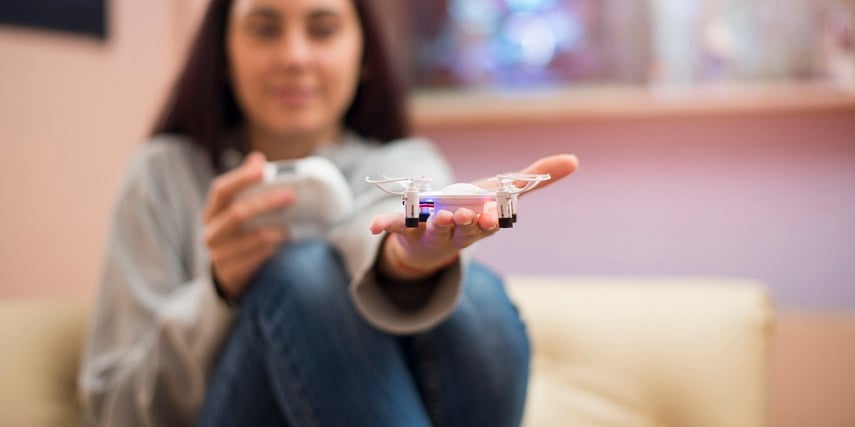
[{"x": 293, "y": 96}]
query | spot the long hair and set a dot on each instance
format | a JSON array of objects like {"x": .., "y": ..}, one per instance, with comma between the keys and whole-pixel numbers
[{"x": 202, "y": 104}]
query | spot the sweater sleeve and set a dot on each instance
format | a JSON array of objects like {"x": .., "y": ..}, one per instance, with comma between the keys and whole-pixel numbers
[
  {"x": 156, "y": 330},
  {"x": 373, "y": 300}
]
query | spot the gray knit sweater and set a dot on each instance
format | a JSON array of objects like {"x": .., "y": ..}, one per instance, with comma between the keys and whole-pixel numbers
[{"x": 159, "y": 323}]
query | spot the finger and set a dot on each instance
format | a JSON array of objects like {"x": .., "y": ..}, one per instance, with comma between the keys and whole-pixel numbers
[
  {"x": 247, "y": 243},
  {"x": 466, "y": 229},
  {"x": 234, "y": 218},
  {"x": 440, "y": 226},
  {"x": 224, "y": 187},
  {"x": 252, "y": 261},
  {"x": 557, "y": 166},
  {"x": 442, "y": 218},
  {"x": 488, "y": 221},
  {"x": 464, "y": 218},
  {"x": 388, "y": 222},
  {"x": 229, "y": 222},
  {"x": 238, "y": 270}
]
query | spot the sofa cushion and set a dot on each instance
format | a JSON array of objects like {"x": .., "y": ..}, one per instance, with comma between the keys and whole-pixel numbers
[
  {"x": 637, "y": 352},
  {"x": 608, "y": 352},
  {"x": 41, "y": 345}
]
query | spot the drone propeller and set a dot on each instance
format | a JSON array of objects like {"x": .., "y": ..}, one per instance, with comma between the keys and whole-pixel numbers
[
  {"x": 412, "y": 187},
  {"x": 508, "y": 193},
  {"x": 419, "y": 184},
  {"x": 507, "y": 181},
  {"x": 524, "y": 176}
]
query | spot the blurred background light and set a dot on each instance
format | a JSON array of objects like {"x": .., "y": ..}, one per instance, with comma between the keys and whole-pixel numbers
[
  {"x": 530, "y": 38},
  {"x": 480, "y": 16},
  {"x": 529, "y": 5},
  {"x": 662, "y": 42}
]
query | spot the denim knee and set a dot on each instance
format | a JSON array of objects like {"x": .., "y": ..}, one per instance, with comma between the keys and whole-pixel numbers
[
  {"x": 302, "y": 275},
  {"x": 486, "y": 319},
  {"x": 495, "y": 307},
  {"x": 486, "y": 299},
  {"x": 483, "y": 354}
]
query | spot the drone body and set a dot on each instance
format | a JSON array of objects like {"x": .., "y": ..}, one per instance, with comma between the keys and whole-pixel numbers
[{"x": 420, "y": 200}]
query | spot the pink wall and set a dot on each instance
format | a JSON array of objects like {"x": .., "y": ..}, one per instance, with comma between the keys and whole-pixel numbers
[
  {"x": 764, "y": 196},
  {"x": 71, "y": 111}
]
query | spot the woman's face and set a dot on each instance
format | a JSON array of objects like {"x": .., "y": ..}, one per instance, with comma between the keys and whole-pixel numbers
[{"x": 294, "y": 64}]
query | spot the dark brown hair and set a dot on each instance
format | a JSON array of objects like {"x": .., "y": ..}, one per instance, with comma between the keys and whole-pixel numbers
[{"x": 202, "y": 105}]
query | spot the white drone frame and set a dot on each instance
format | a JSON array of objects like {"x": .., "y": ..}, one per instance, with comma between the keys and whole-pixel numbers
[{"x": 420, "y": 200}]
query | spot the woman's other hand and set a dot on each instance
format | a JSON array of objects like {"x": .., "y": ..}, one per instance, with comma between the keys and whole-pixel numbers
[
  {"x": 237, "y": 252},
  {"x": 415, "y": 253}
]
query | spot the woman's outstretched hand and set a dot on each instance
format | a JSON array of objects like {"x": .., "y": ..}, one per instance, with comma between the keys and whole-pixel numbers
[{"x": 416, "y": 253}]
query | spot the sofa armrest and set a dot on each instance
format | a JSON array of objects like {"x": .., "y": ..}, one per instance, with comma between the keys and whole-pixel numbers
[{"x": 646, "y": 352}]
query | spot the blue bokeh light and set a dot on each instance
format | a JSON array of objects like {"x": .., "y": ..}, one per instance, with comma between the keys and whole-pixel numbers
[{"x": 505, "y": 41}]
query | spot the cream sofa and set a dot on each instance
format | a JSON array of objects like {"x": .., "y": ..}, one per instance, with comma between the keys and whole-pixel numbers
[{"x": 608, "y": 352}]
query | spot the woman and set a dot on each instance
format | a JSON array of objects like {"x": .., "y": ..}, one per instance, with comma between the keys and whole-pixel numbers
[{"x": 204, "y": 320}]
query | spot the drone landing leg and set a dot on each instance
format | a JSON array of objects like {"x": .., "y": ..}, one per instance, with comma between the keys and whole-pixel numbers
[
  {"x": 411, "y": 209},
  {"x": 504, "y": 204}
]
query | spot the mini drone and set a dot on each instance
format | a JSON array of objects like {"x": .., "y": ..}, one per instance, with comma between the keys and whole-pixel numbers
[{"x": 420, "y": 201}]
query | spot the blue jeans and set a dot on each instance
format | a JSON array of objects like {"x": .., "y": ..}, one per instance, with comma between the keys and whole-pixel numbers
[{"x": 300, "y": 355}]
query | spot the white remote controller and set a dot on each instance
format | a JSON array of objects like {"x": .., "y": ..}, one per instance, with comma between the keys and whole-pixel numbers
[{"x": 322, "y": 196}]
